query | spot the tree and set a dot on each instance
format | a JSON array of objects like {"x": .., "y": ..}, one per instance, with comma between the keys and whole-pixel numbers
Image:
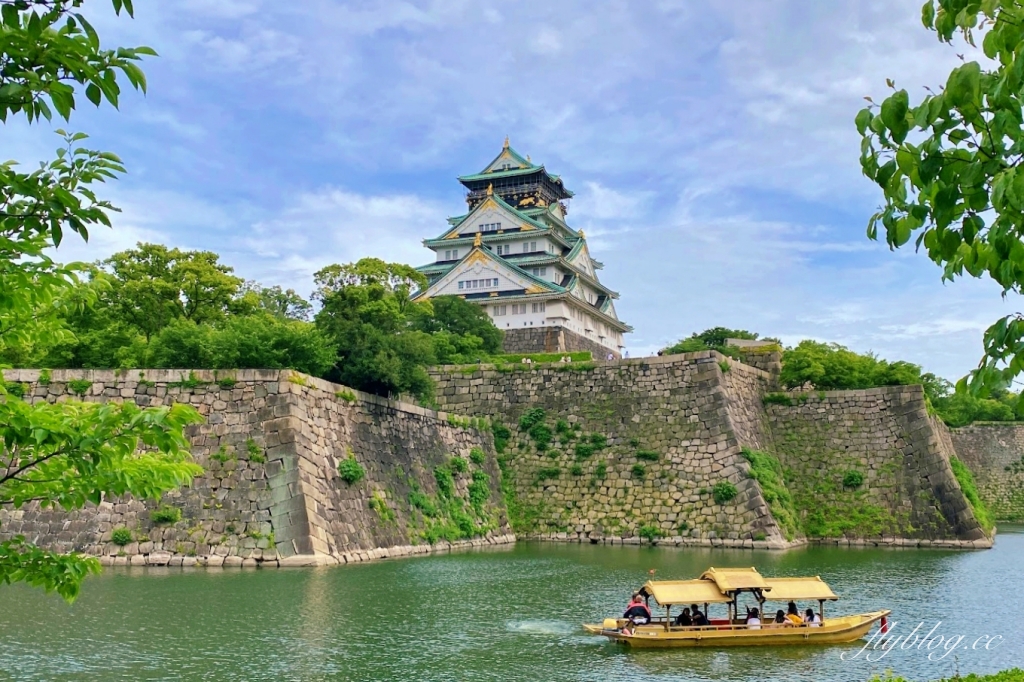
[
  {"x": 69, "y": 453},
  {"x": 281, "y": 303},
  {"x": 711, "y": 339},
  {"x": 152, "y": 285},
  {"x": 950, "y": 168},
  {"x": 458, "y": 316},
  {"x": 829, "y": 366}
]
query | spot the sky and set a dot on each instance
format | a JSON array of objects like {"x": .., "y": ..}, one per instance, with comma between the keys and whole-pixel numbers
[{"x": 710, "y": 146}]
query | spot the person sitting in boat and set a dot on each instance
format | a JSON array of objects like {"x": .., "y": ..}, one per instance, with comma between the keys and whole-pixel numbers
[
  {"x": 793, "y": 615},
  {"x": 699, "y": 619},
  {"x": 753, "y": 619},
  {"x": 684, "y": 620},
  {"x": 811, "y": 619},
  {"x": 780, "y": 619},
  {"x": 637, "y": 611}
]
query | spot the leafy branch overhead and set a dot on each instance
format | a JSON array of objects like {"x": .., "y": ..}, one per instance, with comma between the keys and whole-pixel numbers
[{"x": 950, "y": 171}]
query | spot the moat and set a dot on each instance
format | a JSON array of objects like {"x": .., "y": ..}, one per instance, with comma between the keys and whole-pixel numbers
[{"x": 508, "y": 613}]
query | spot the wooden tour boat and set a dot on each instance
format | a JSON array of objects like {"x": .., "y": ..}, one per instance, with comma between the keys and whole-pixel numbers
[{"x": 724, "y": 586}]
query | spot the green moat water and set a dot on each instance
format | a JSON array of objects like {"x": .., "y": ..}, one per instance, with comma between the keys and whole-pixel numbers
[{"x": 506, "y": 614}]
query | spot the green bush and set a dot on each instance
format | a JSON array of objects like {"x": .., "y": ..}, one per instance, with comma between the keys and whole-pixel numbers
[
  {"x": 165, "y": 514},
  {"x": 829, "y": 366},
  {"x": 350, "y": 470},
  {"x": 458, "y": 465},
  {"x": 502, "y": 434},
  {"x": 479, "y": 491},
  {"x": 255, "y": 452},
  {"x": 79, "y": 386},
  {"x": 723, "y": 492},
  {"x": 966, "y": 480},
  {"x": 1012, "y": 675},
  {"x": 648, "y": 455},
  {"x": 634, "y": 442},
  {"x": 379, "y": 504},
  {"x": 598, "y": 440},
  {"x": 650, "y": 533},
  {"x": 767, "y": 471},
  {"x": 724, "y": 366},
  {"x": 347, "y": 396},
  {"x": 227, "y": 383},
  {"x": 418, "y": 500},
  {"x": 601, "y": 470},
  {"x": 541, "y": 435},
  {"x": 576, "y": 356},
  {"x": 530, "y": 418},
  {"x": 445, "y": 481},
  {"x": 476, "y": 455},
  {"x": 544, "y": 473},
  {"x": 562, "y": 427},
  {"x": 576, "y": 470},
  {"x": 121, "y": 536},
  {"x": 638, "y": 471},
  {"x": 584, "y": 450},
  {"x": 777, "y": 399},
  {"x": 853, "y": 479}
]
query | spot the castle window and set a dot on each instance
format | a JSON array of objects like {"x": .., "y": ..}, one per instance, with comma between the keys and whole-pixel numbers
[
  {"x": 502, "y": 250},
  {"x": 538, "y": 307},
  {"x": 461, "y": 284},
  {"x": 542, "y": 272}
]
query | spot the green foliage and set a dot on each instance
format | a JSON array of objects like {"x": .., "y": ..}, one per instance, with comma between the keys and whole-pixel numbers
[
  {"x": 576, "y": 356},
  {"x": 165, "y": 514},
  {"x": 777, "y": 399},
  {"x": 598, "y": 440},
  {"x": 79, "y": 386},
  {"x": 634, "y": 442},
  {"x": 541, "y": 435},
  {"x": 14, "y": 388},
  {"x": 256, "y": 455},
  {"x": 711, "y": 339},
  {"x": 584, "y": 450},
  {"x": 347, "y": 396},
  {"x": 44, "y": 378},
  {"x": 476, "y": 456},
  {"x": 767, "y": 471},
  {"x": 829, "y": 366},
  {"x": 502, "y": 434},
  {"x": 227, "y": 383},
  {"x": 650, "y": 533},
  {"x": 379, "y": 504},
  {"x": 531, "y": 417},
  {"x": 445, "y": 482},
  {"x": 479, "y": 490},
  {"x": 222, "y": 455},
  {"x": 545, "y": 473},
  {"x": 576, "y": 469},
  {"x": 458, "y": 465},
  {"x": 1012, "y": 675},
  {"x": 723, "y": 491},
  {"x": 191, "y": 383},
  {"x": 562, "y": 427},
  {"x": 724, "y": 366},
  {"x": 423, "y": 502},
  {"x": 853, "y": 479},
  {"x": 648, "y": 455},
  {"x": 949, "y": 167},
  {"x": 966, "y": 480},
  {"x": 350, "y": 470},
  {"x": 121, "y": 536},
  {"x": 601, "y": 470},
  {"x": 639, "y": 471}
]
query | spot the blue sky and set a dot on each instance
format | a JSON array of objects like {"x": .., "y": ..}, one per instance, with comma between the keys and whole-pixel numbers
[{"x": 710, "y": 146}]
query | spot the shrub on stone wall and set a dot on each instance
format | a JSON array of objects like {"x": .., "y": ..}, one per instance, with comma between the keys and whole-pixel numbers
[
  {"x": 121, "y": 536},
  {"x": 576, "y": 470},
  {"x": 479, "y": 491},
  {"x": 445, "y": 481},
  {"x": 648, "y": 455},
  {"x": 777, "y": 399},
  {"x": 601, "y": 470},
  {"x": 350, "y": 470},
  {"x": 853, "y": 479},
  {"x": 584, "y": 450},
  {"x": 165, "y": 514},
  {"x": 476, "y": 455},
  {"x": 650, "y": 532},
  {"x": 458, "y": 465},
  {"x": 531, "y": 417},
  {"x": 638, "y": 471},
  {"x": 502, "y": 434},
  {"x": 545, "y": 473},
  {"x": 541, "y": 435},
  {"x": 767, "y": 471},
  {"x": 723, "y": 492}
]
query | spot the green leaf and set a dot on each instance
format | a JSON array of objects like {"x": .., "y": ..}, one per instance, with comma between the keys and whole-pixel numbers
[
  {"x": 94, "y": 94},
  {"x": 863, "y": 120},
  {"x": 894, "y": 110},
  {"x": 964, "y": 85},
  {"x": 928, "y": 14}
]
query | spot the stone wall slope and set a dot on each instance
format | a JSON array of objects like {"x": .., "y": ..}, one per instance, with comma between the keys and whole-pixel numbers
[
  {"x": 271, "y": 493},
  {"x": 994, "y": 451}
]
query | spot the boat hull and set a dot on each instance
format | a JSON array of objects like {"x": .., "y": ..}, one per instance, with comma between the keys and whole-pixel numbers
[{"x": 834, "y": 631}]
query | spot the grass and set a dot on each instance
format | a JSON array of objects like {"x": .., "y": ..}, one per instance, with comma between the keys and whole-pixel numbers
[
  {"x": 222, "y": 455},
  {"x": 255, "y": 452},
  {"x": 723, "y": 491},
  {"x": 578, "y": 356},
  {"x": 121, "y": 536},
  {"x": 648, "y": 455},
  {"x": 227, "y": 383},
  {"x": 165, "y": 514},
  {"x": 346, "y": 395},
  {"x": 79, "y": 386},
  {"x": 777, "y": 399},
  {"x": 350, "y": 470},
  {"x": 966, "y": 480},
  {"x": 545, "y": 473},
  {"x": 638, "y": 471},
  {"x": 767, "y": 471},
  {"x": 190, "y": 383},
  {"x": 379, "y": 504}
]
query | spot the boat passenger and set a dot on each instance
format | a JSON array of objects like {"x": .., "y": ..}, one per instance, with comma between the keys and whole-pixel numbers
[
  {"x": 753, "y": 619},
  {"x": 780, "y": 618},
  {"x": 637, "y": 611},
  {"x": 699, "y": 619},
  {"x": 684, "y": 620},
  {"x": 812, "y": 619},
  {"x": 793, "y": 615}
]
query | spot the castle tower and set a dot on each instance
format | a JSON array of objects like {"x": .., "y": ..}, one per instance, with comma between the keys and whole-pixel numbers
[{"x": 515, "y": 255}]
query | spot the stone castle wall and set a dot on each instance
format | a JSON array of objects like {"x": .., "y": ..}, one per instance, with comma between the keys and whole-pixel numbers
[
  {"x": 552, "y": 340},
  {"x": 271, "y": 493},
  {"x": 885, "y": 435},
  {"x": 994, "y": 451},
  {"x": 696, "y": 413}
]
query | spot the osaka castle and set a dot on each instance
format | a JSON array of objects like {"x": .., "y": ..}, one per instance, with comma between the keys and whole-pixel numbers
[{"x": 514, "y": 254}]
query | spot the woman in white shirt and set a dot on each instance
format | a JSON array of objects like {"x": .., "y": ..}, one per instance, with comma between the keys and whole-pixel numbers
[
  {"x": 753, "y": 619},
  {"x": 811, "y": 619}
]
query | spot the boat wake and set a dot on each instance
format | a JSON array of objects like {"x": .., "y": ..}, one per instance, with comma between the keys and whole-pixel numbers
[{"x": 540, "y": 627}]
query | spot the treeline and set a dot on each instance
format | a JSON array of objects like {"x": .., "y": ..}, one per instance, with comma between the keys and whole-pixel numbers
[
  {"x": 157, "y": 307},
  {"x": 830, "y": 366}
]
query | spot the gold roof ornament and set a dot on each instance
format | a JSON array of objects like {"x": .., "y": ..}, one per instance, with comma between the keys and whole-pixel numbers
[
  {"x": 582, "y": 235},
  {"x": 505, "y": 146},
  {"x": 479, "y": 239},
  {"x": 528, "y": 159},
  {"x": 490, "y": 189}
]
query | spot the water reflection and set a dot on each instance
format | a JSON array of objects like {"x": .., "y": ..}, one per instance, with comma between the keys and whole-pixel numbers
[{"x": 498, "y": 615}]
